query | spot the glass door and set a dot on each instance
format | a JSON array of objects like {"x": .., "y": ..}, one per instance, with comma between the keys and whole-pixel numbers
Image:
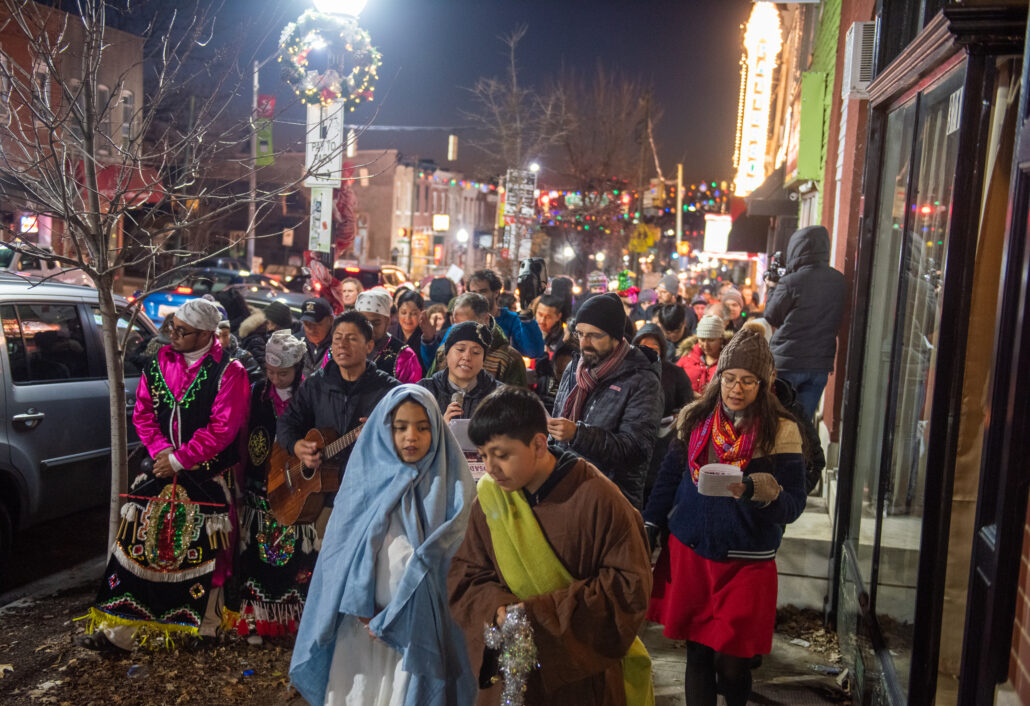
[{"x": 899, "y": 362}]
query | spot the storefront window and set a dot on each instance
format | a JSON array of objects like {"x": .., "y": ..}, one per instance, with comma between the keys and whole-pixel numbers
[
  {"x": 918, "y": 170},
  {"x": 880, "y": 330},
  {"x": 916, "y": 350}
]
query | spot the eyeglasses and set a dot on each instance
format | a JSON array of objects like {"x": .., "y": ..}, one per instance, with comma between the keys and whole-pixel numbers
[
  {"x": 179, "y": 332},
  {"x": 729, "y": 382}
]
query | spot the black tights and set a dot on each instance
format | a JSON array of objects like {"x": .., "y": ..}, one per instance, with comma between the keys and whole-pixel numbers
[{"x": 705, "y": 666}]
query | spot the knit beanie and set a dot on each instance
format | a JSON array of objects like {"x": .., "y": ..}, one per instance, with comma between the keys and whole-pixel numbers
[
  {"x": 749, "y": 351},
  {"x": 710, "y": 327},
  {"x": 279, "y": 314},
  {"x": 733, "y": 294},
  {"x": 670, "y": 283},
  {"x": 606, "y": 312},
  {"x": 468, "y": 331}
]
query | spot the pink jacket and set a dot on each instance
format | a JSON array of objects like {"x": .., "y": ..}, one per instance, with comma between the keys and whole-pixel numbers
[
  {"x": 408, "y": 368},
  {"x": 228, "y": 414}
]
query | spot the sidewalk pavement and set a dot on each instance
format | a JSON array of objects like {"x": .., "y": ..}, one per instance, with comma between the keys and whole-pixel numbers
[
  {"x": 796, "y": 672},
  {"x": 786, "y": 676}
]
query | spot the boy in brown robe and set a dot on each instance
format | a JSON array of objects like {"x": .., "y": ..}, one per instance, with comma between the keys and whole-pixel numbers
[{"x": 584, "y": 632}]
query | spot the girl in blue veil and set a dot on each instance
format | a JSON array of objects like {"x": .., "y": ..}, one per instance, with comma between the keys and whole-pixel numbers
[{"x": 376, "y": 628}]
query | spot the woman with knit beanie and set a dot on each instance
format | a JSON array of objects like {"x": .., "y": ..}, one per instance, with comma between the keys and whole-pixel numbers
[
  {"x": 700, "y": 362},
  {"x": 715, "y": 581}
]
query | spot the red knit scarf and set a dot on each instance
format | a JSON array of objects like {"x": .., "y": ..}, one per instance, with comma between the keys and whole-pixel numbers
[
  {"x": 730, "y": 446},
  {"x": 587, "y": 379}
]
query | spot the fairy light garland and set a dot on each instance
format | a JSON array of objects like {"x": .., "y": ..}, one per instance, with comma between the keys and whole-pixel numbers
[{"x": 354, "y": 62}]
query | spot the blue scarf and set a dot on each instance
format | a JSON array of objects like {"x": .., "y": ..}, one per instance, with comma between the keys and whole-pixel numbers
[{"x": 434, "y": 498}]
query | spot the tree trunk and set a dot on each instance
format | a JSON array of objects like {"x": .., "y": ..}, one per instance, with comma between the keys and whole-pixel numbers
[{"x": 116, "y": 389}]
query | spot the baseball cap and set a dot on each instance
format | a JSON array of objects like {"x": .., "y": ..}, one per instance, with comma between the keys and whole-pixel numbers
[{"x": 315, "y": 310}]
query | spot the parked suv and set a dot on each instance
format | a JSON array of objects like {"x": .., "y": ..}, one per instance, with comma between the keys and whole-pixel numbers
[{"x": 55, "y": 430}]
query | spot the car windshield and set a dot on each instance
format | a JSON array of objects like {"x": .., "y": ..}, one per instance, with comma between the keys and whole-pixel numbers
[{"x": 6, "y": 255}]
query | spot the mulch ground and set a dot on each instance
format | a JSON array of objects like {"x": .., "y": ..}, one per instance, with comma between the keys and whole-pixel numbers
[{"x": 39, "y": 664}]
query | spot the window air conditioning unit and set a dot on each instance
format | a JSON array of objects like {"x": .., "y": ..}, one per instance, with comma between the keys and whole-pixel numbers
[{"x": 859, "y": 56}]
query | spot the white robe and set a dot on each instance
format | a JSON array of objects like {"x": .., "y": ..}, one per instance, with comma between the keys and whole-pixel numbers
[{"x": 365, "y": 671}]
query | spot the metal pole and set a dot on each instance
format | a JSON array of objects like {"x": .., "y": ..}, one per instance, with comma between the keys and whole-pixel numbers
[
  {"x": 679, "y": 206},
  {"x": 252, "y": 203}
]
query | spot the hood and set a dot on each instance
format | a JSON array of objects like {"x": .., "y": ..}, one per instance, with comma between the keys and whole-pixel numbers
[
  {"x": 564, "y": 459},
  {"x": 639, "y": 358},
  {"x": 250, "y": 324},
  {"x": 499, "y": 340},
  {"x": 654, "y": 331},
  {"x": 808, "y": 246},
  {"x": 784, "y": 392}
]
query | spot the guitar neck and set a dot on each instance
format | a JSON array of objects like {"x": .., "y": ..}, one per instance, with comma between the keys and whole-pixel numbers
[{"x": 343, "y": 442}]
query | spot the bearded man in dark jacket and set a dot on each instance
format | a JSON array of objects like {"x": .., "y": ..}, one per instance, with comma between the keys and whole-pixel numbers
[
  {"x": 805, "y": 308},
  {"x": 609, "y": 401}
]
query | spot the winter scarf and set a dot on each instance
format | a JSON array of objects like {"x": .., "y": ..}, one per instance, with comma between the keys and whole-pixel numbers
[
  {"x": 730, "y": 446},
  {"x": 587, "y": 379}
]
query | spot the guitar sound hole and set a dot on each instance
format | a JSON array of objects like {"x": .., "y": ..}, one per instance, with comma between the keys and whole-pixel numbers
[{"x": 307, "y": 473}]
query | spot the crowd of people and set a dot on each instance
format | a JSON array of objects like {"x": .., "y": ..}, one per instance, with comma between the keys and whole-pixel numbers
[{"x": 313, "y": 481}]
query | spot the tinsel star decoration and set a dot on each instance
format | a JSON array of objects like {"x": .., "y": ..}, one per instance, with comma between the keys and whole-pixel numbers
[{"x": 514, "y": 640}]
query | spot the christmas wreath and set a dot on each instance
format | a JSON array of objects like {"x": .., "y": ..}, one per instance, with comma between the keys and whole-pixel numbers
[{"x": 352, "y": 66}]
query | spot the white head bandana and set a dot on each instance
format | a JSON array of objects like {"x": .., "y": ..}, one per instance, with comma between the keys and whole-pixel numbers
[
  {"x": 283, "y": 350},
  {"x": 200, "y": 314},
  {"x": 374, "y": 301}
]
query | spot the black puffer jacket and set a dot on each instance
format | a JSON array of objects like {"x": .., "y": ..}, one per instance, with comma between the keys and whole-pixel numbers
[
  {"x": 807, "y": 305},
  {"x": 620, "y": 420},
  {"x": 442, "y": 391},
  {"x": 325, "y": 399}
]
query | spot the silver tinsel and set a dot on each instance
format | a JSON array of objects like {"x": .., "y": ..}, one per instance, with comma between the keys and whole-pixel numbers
[{"x": 518, "y": 653}]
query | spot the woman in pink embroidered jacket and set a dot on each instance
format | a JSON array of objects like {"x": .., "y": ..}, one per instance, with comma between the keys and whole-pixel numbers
[{"x": 173, "y": 552}]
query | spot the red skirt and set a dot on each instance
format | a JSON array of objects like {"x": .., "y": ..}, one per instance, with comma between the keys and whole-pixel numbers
[{"x": 729, "y": 606}]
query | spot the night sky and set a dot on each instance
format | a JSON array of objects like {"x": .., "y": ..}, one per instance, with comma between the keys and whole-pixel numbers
[{"x": 435, "y": 49}]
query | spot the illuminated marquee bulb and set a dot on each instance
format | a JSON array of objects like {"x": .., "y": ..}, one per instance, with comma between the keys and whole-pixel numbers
[{"x": 762, "y": 42}]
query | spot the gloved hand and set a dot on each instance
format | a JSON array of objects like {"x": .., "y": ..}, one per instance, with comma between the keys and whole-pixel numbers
[{"x": 761, "y": 488}]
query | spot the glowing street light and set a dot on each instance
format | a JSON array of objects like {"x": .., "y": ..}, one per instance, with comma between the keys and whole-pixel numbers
[
  {"x": 534, "y": 167},
  {"x": 462, "y": 236},
  {"x": 568, "y": 253},
  {"x": 352, "y": 8}
]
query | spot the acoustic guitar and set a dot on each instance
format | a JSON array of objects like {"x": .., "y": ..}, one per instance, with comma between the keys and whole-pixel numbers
[{"x": 295, "y": 493}]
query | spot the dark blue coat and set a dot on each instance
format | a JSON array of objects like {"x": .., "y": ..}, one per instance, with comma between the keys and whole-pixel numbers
[{"x": 721, "y": 528}]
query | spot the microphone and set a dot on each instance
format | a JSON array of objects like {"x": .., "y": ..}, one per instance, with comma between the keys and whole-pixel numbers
[{"x": 458, "y": 397}]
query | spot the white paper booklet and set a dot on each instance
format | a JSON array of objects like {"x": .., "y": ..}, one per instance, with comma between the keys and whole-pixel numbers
[
  {"x": 715, "y": 479},
  {"x": 460, "y": 428}
]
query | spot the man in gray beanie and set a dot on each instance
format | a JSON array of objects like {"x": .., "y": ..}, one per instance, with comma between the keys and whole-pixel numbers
[{"x": 609, "y": 401}]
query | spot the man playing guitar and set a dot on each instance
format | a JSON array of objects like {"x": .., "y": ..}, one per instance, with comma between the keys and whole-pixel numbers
[{"x": 339, "y": 396}]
